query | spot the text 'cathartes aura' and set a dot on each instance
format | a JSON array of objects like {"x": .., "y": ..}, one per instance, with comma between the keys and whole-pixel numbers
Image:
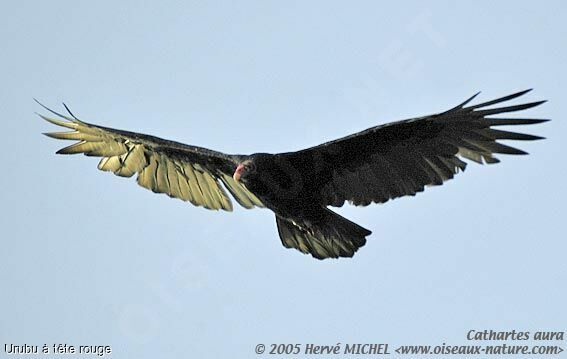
[{"x": 373, "y": 166}]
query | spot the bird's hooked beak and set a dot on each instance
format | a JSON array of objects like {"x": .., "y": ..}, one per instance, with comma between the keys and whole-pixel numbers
[{"x": 238, "y": 172}]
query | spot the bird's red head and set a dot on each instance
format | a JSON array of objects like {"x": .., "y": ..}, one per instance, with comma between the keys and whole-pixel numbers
[
  {"x": 238, "y": 172},
  {"x": 243, "y": 169}
]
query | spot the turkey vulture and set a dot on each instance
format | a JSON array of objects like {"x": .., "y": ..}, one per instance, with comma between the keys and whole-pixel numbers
[{"x": 373, "y": 166}]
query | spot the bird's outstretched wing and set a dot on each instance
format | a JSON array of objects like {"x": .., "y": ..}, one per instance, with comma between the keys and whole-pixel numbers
[
  {"x": 181, "y": 171},
  {"x": 401, "y": 158}
]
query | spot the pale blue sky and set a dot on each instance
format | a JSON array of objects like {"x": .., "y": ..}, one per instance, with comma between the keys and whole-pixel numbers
[{"x": 89, "y": 258}]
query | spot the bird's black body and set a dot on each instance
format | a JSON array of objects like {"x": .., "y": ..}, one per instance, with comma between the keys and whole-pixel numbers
[
  {"x": 372, "y": 166},
  {"x": 287, "y": 188},
  {"x": 279, "y": 184}
]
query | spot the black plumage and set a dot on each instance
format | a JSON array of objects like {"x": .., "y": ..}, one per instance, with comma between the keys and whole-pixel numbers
[{"x": 372, "y": 166}]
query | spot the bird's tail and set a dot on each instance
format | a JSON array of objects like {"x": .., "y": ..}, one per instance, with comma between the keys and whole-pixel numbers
[{"x": 331, "y": 236}]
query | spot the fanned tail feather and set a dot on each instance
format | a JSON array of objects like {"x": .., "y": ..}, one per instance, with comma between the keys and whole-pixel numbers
[{"x": 332, "y": 236}]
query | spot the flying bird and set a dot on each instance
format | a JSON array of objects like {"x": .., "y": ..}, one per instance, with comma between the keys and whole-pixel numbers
[{"x": 372, "y": 166}]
